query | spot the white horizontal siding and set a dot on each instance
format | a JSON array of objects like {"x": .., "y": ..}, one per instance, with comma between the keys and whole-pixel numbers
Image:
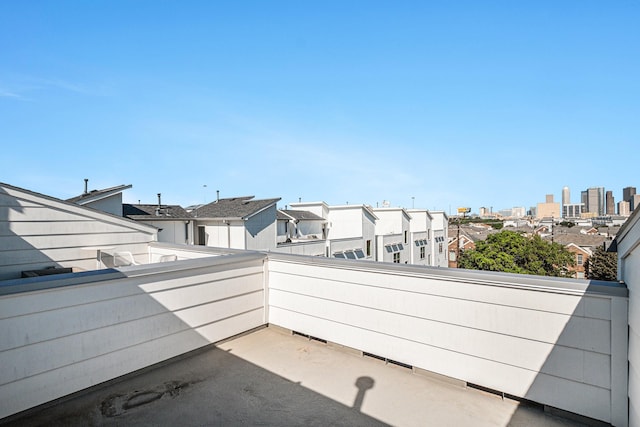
[
  {"x": 60, "y": 340},
  {"x": 550, "y": 345}
]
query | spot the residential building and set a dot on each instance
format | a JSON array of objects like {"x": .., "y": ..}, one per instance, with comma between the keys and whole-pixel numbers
[
  {"x": 566, "y": 345},
  {"x": 301, "y": 232},
  {"x": 392, "y": 235},
  {"x": 350, "y": 229},
  {"x": 420, "y": 236},
  {"x": 42, "y": 234},
  {"x": 581, "y": 254},
  {"x": 174, "y": 224},
  {"x": 107, "y": 200},
  {"x": 440, "y": 233},
  {"x": 237, "y": 223},
  {"x": 458, "y": 244}
]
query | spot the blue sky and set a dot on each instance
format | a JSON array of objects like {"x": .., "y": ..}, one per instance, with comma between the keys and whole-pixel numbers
[{"x": 428, "y": 104}]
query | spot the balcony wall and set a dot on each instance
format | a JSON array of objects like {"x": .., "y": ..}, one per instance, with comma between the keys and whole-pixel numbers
[
  {"x": 557, "y": 342},
  {"x": 629, "y": 270},
  {"x": 62, "y": 334}
]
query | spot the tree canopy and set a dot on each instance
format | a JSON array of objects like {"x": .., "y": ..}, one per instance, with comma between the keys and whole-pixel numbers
[
  {"x": 512, "y": 252},
  {"x": 602, "y": 265}
]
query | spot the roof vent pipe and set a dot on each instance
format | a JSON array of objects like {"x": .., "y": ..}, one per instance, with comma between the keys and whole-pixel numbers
[
  {"x": 86, "y": 185},
  {"x": 217, "y": 195},
  {"x": 159, "y": 205}
]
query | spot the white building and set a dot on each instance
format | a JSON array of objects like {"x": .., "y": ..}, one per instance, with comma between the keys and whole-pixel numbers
[
  {"x": 237, "y": 223},
  {"x": 440, "y": 233},
  {"x": 44, "y": 233},
  {"x": 107, "y": 200},
  {"x": 392, "y": 235},
  {"x": 349, "y": 229},
  {"x": 420, "y": 236}
]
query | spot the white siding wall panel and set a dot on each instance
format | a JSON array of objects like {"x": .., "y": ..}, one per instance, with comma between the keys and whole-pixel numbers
[
  {"x": 547, "y": 345},
  {"x": 63, "y": 339},
  {"x": 37, "y": 232},
  {"x": 629, "y": 271}
]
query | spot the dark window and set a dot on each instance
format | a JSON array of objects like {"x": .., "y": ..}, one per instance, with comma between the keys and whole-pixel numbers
[
  {"x": 339, "y": 255},
  {"x": 359, "y": 253},
  {"x": 396, "y": 257},
  {"x": 350, "y": 255},
  {"x": 422, "y": 252},
  {"x": 368, "y": 247}
]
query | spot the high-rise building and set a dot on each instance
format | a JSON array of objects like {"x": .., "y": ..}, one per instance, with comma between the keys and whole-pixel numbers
[
  {"x": 594, "y": 201},
  {"x": 572, "y": 210},
  {"x": 623, "y": 208},
  {"x": 566, "y": 196},
  {"x": 628, "y": 193},
  {"x": 634, "y": 202},
  {"x": 610, "y": 205},
  {"x": 548, "y": 209}
]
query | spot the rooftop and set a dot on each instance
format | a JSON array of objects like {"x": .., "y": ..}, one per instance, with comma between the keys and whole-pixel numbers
[
  {"x": 269, "y": 377},
  {"x": 235, "y": 207}
]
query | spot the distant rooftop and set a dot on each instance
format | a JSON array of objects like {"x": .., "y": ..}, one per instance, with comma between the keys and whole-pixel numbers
[
  {"x": 98, "y": 194},
  {"x": 145, "y": 212},
  {"x": 299, "y": 215},
  {"x": 235, "y": 207}
]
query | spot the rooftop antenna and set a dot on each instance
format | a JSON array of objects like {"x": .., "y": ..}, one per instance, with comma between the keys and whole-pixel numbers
[{"x": 86, "y": 185}]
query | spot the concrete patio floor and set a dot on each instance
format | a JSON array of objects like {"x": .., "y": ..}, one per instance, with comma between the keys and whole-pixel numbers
[{"x": 270, "y": 378}]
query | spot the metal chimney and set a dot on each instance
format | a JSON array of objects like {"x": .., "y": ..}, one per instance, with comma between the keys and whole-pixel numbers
[
  {"x": 217, "y": 195},
  {"x": 159, "y": 205},
  {"x": 86, "y": 185}
]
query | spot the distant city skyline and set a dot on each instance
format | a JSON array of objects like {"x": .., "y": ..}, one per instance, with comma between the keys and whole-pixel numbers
[{"x": 425, "y": 105}]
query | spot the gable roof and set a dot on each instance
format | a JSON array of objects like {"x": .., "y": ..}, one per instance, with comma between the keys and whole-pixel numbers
[
  {"x": 94, "y": 195},
  {"x": 151, "y": 212},
  {"x": 299, "y": 215},
  {"x": 233, "y": 208},
  {"x": 65, "y": 205}
]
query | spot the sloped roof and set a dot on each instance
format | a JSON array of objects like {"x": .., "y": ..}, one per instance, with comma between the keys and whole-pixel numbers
[
  {"x": 150, "y": 212},
  {"x": 301, "y": 215},
  {"x": 94, "y": 195},
  {"x": 73, "y": 207},
  {"x": 583, "y": 240},
  {"x": 233, "y": 208}
]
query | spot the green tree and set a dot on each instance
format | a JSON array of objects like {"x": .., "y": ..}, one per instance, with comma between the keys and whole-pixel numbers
[
  {"x": 513, "y": 252},
  {"x": 602, "y": 265}
]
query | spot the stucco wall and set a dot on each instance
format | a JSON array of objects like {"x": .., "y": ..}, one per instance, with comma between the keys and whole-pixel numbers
[{"x": 554, "y": 342}]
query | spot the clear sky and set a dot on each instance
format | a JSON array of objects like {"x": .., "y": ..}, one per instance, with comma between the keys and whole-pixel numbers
[{"x": 432, "y": 104}]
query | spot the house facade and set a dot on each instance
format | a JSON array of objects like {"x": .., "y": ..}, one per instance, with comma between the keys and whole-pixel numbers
[
  {"x": 420, "y": 236},
  {"x": 237, "y": 223},
  {"x": 440, "y": 231},
  {"x": 44, "y": 233},
  {"x": 392, "y": 235},
  {"x": 349, "y": 229},
  {"x": 174, "y": 224}
]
